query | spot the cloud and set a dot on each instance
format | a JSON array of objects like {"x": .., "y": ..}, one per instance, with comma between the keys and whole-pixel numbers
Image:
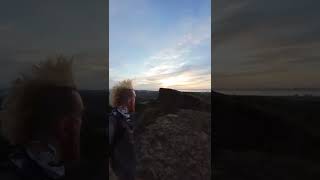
[
  {"x": 89, "y": 67},
  {"x": 34, "y": 30},
  {"x": 172, "y": 68},
  {"x": 257, "y": 39},
  {"x": 5, "y": 28},
  {"x": 160, "y": 49}
]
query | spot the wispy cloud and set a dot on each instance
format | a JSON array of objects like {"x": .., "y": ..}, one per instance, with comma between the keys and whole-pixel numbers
[
  {"x": 161, "y": 44},
  {"x": 89, "y": 66},
  {"x": 34, "y": 30},
  {"x": 272, "y": 44},
  {"x": 5, "y": 27},
  {"x": 173, "y": 68}
]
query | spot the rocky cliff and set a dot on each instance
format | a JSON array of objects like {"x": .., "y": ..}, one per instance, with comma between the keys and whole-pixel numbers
[{"x": 173, "y": 137}]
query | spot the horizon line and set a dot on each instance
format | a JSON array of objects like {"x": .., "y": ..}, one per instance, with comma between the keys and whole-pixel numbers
[{"x": 265, "y": 89}]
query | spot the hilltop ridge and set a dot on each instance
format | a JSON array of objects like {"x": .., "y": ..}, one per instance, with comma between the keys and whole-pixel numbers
[{"x": 173, "y": 136}]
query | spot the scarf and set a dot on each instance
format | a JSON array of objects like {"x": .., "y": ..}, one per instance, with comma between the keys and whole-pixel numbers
[{"x": 28, "y": 161}]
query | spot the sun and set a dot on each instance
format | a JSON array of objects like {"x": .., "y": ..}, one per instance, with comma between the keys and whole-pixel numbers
[{"x": 174, "y": 81}]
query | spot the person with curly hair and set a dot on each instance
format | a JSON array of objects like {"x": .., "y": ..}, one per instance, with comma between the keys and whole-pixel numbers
[
  {"x": 121, "y": 128},
  {"x": 41, "y": 118}
]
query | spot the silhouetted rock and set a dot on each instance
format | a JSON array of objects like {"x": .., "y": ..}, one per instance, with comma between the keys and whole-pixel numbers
[
  {"x": 171, "y": 100},
  {"x": 213, "y": 93}
]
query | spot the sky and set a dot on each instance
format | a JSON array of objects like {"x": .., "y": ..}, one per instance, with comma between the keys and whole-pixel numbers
[
  {"x": 163, "y": 43},
  {"x": 266, "y": 44},
  {"x": 31, "y": 31},
  {"x": 256, "y": 44}
]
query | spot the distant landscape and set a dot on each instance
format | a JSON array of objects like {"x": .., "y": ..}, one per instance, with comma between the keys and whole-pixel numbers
[
  {"x": 253, "y": 137},
  {"x": 272, "y": 92},
  {"x": 265, "y": 137}
]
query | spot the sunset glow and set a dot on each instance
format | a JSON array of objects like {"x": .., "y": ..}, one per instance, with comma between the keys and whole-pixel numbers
[{"x": 160, "y": 47}]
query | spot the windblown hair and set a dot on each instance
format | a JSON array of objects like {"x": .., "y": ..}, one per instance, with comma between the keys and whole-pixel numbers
[
  {"x": 35, "y": 100},
  {"x": 121, "y": 92}
]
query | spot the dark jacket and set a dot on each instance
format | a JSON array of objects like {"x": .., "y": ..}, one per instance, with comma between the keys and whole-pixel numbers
[
  {"x": 19, "y": 166},
  {"x": 122, "y": 153}
]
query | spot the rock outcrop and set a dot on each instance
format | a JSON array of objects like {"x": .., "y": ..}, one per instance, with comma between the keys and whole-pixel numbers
[
  {"x": 171, "y": 100},
  {"x": 175, "y": 140}
]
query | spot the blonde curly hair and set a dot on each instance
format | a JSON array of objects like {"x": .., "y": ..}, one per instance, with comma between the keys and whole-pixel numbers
[
  {"x": 31, "y": 97},
  {"x": 121, "y": 92}
]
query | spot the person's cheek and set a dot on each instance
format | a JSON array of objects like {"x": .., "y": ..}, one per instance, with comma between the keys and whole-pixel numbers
[
  {"x": 72, "y": 140},
  {"x": 78, "y": 123},
  {"x": 134, "y": 105}
]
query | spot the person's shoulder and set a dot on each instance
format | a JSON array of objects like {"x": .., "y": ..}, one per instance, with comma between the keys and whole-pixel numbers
[
  {"x": 114, "y": 114},
  {"x": 7, "y": 171},
  {"x": 9, "y": 176},
  {"x": 19, "y": 166}
]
